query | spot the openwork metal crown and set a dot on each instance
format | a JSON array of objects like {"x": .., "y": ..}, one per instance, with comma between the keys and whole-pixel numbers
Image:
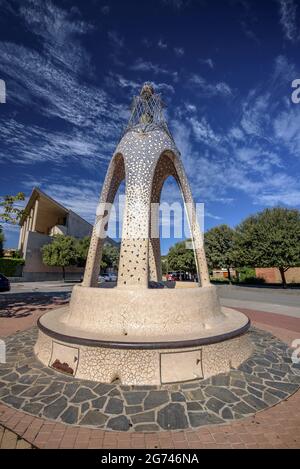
[{"x": 147, "y": 112}]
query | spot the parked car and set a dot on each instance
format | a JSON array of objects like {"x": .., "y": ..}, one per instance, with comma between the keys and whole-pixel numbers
[
  {"x": 113, "y": 276},
  {"x": 170, "y": 276},
  {"x": 108, "y": 277},
  {"x": 4, "y": 283},
  {"x": 101, "y": 279},
  {"x": 178, "y": 276},
  {"x": 175, "y": 276}
]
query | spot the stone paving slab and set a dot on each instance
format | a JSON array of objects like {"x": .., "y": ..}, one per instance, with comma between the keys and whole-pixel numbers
[
  {"x": 264, "y": 380},
  {"x": 275, "y": 427}
]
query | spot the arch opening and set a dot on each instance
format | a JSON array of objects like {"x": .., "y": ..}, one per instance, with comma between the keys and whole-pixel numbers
[
  {"x": 169, "y": 222},
  {"x": 114, "y": 178}
]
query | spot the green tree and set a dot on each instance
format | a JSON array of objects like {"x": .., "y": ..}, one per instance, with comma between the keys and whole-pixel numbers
[
  {"x": 62, "y": 252},
  {"x": 164, "y": 264},
  {"x": 218, "y": 243},
  {"x": 10, "y": 213},
  {"x": 180, "y": 258},
  {"x": 110, "y": 256},
  {"x": 2, "y": 239},
  {"x": 82, "y": 247},
  {"x": 270, "y": 238}
]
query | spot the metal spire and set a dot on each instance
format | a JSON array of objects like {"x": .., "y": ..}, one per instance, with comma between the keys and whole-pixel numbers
[{"x": 147, "y": 112}]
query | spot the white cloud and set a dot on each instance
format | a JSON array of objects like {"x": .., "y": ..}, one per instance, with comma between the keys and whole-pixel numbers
[
  {"x": 284, "y": 71},
  {"x": 210, "y": 89},
  {"x": 146, "y": 42},
  {"x": 179, "y": 51},
  {"x": 50, "y": 82},
  {"x": 236, "y": 133},
  {"x": 223, "y": 89},
  {"x": 162, "y": 45},
  {"x": 9, "y": 227},
  {"x": 105, "y": 9},
  {"x": 249, "y": 32},
  {"x": 57, "y": 27},
  {"x": 82, "y": 198},
  {"x": 141, "y": 65},
  {"x": 181, "y": 132},
  {"x": 258, "y": 159},
  {"x": 285, "y": 196},
  {"x": 208, "y": 62},
  {"x": 211, "y": 215},
  {"x": 116, "y": 39},
  {"x": 203, "y": 131},
  {"x": 163, "y": 87},
  {"x": 117, "y": 80},
  {"x": 256, "y": 113},
  {"x": 288, "y": 19},
  {"x": 246, "y": 157},
  {"x": 287, "y": 128},
  {"x": 33, "y": 144},
  {"x": 250, "y": 157},
  {"x": 191, "y": 108}
]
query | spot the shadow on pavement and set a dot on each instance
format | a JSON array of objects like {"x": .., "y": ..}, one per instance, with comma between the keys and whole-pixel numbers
[{"x": 19, "y": 305}]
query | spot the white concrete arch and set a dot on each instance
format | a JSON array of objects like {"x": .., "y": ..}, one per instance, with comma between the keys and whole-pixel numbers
[
  {"x": 168, "y": 165},
  {"x": 114, "y": 177}
]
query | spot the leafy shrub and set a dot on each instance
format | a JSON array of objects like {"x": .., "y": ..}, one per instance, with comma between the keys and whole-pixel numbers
[
  {"x": 219, "y": 280},
  {"x": 11, "y": 267},
  {"x": 254, "y": 280},
  {"x": 246, "y": 272},
  {"x": 17, "y": 254}
]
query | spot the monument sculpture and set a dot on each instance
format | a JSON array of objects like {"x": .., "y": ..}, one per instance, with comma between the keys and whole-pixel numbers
[{"x": 134, "y": 333}]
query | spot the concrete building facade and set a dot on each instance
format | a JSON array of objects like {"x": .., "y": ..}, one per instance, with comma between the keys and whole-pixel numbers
[{"x": 44, "y": 217}]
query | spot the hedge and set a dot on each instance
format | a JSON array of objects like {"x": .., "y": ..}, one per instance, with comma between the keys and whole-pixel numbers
[{"x": 11, "y": 267}]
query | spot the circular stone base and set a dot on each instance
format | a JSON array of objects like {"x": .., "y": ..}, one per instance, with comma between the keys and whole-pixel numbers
[
  {"x": 87, "y": 355},
  {"x": 263, "y": 380}
]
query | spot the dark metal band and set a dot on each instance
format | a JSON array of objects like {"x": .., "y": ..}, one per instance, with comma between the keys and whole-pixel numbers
[{"x": 144, "y": 345}]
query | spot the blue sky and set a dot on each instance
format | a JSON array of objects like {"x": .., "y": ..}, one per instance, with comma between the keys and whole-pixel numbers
[{"x": 223, "y": 67}]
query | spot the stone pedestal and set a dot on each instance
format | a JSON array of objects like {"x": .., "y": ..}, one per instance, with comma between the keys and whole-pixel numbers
[{"x": 143, "y": 336}]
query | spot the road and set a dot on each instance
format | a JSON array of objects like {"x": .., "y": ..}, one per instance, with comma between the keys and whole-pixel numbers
[
  {"x": 285, "y": 302},
  {"x": 43, "y": 287}
]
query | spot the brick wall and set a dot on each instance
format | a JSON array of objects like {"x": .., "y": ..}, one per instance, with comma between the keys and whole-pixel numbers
[{"x": 272, "y": 275}]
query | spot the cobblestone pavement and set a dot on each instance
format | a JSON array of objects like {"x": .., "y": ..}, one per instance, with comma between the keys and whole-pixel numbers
[
  {"x": 276, "y": 427},
  {"x": 263, "y": 380}
]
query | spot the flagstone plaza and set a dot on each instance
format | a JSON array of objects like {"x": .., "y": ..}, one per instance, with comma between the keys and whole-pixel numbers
[
  {"x": 262, "y": 381},
  {"x": 273, "y": 427}
]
